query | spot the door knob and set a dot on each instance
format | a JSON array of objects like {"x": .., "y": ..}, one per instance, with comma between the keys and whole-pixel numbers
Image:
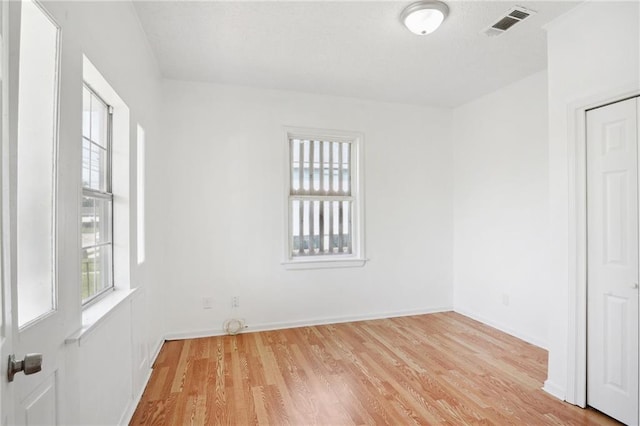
[
  {"x": 634, "y": 285},
  {"x": 32, "y": 363}
]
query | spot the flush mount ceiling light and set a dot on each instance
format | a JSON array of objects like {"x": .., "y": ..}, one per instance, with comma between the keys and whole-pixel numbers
[{"x": 424, "y": 17}]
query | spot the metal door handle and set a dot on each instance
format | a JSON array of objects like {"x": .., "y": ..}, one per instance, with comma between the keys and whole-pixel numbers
[
  {"x": 634, "y": 285},
  {"x": 32, "y": 363}
]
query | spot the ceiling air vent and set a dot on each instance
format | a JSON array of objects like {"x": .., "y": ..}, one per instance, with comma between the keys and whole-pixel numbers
[{"x": 508, "y": 20}]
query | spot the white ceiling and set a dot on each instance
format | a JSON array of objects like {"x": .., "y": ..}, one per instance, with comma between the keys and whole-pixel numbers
[{"x": 356, "y": 49}]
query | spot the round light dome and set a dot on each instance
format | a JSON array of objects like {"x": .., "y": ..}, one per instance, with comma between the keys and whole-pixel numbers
[{"x": 424, "y": 17}]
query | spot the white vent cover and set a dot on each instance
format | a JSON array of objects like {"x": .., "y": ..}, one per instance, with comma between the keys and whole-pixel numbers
[{"x": 508, "y": 20}]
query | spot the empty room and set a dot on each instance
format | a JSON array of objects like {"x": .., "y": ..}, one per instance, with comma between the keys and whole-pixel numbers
[{"x": 319, "y": 212}]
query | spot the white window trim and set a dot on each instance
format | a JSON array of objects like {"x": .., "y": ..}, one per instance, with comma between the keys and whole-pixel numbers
[
  {"x": 357, "y": 258},
  {"x": 96, "y": 312},
  {"x": 119, "y": 180}
]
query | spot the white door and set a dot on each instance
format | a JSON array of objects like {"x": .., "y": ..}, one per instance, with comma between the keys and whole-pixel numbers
[
  {"x": 32, "y": 320},
  {"x": 612, "y": 272}
]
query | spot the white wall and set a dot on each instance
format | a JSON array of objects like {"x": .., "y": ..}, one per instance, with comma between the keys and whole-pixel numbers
[
  {"x": 216, "y": 209},
  {"x": 593, "y": 53},
  {"x": 105, "y": 371},
  {"x": 501, "y": 222},
  {"x": 226, "y": 204}
]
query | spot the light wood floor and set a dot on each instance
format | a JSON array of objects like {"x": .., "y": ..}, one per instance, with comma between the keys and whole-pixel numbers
[{"x": 430, "y": 369}]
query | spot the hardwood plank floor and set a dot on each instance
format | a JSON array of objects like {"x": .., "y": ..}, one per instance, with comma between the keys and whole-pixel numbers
[{"x": 440, "y": 368}]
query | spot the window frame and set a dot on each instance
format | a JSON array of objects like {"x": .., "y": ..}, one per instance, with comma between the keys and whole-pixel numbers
[
  {"x": 87, "y": 192},
  {"x": 357, "y": 256}
]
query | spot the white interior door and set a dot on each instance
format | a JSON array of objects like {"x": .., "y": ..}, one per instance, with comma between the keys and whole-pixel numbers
[
  {"x": 31, "y": 316},
  {"x": 612, "y": 252}
]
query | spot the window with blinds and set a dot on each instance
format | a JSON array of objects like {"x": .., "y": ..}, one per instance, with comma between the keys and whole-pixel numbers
[{"x": 323, "y": 196}]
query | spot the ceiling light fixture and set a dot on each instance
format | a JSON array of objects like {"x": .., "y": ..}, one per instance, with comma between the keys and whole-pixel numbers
[{"x": 424, "y": 17}]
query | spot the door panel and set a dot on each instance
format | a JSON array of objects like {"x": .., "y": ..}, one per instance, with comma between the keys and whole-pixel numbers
[
  {"x": 612, "y": 251},
  {"x": 615, "y": 337},
  {"x": 40, "y": 407},
  {"x": 615, "y": 223}
]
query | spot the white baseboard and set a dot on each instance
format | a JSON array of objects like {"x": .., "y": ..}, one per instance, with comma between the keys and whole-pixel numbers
[
  {"x": 181, "y": 335},
  {"x": 304, "y": 323},
  {"x": 554, "y": 390},
  {"x": 502, "y": 327},
  {"x": 156, "y": 352}
]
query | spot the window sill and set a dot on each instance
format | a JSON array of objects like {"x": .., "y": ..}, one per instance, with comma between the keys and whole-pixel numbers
[
  {"x": 326, "y": 263},
  {"x": 97, "y": 313}
]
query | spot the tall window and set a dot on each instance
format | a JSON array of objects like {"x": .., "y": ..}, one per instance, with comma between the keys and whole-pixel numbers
[
  {"x": 97, "y": 197},
  {"x": 324, "y": 195},
  {"x": 140, "y": 180},
  {"x": 36, "y": 167}
]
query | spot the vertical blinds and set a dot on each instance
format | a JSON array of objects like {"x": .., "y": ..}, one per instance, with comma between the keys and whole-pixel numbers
[{"x": 320, "y": 197}]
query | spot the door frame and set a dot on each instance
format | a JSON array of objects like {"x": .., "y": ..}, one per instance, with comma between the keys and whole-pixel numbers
[
  {"x": 6, "y": 323},
  {"x": 576, "y": 392}
]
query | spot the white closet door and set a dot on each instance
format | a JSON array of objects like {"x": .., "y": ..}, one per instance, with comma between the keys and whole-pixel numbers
[{"x": 612, "y": 275}]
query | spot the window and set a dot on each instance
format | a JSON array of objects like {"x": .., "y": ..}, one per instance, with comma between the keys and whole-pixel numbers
[
  {"x": 36, "y": 168},
  {"x": 324, "y": 194},
  {"x": 97, "y": 197},
  {"x": 140, "y": 180}
]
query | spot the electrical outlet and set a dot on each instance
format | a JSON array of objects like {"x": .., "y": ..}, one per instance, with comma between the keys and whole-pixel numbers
[
  {"x": 235, "y": 302},
  {"x": 207, "y": 302}
]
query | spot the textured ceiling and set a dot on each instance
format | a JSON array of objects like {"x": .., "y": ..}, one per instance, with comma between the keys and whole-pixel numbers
[{"x": 355, "y": 49}]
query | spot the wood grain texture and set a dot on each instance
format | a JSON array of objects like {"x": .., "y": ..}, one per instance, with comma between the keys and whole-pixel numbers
[{"x": 430, "y": 369}]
